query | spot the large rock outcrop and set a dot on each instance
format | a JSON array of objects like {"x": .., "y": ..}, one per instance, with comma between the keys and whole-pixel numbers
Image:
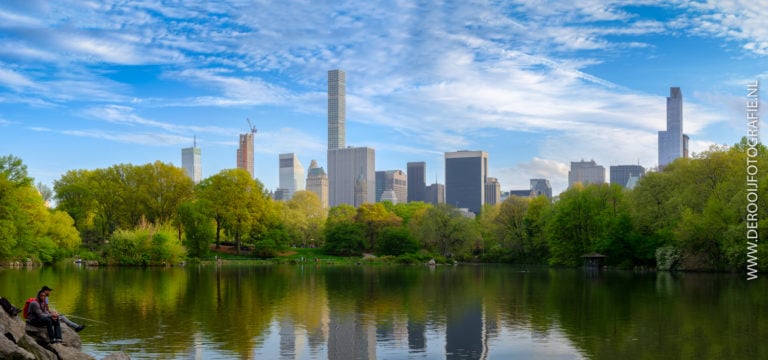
[{"x": 25, "y": 342}]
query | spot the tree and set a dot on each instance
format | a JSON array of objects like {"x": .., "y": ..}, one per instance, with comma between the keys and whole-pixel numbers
[
  {"x": 344, "y": 239},
  {"x": 14, "y": 170},
  {"x": 396, "y": 241},
  {"x": 45, "y": 192},
  {"x": 341, "y": 213},
  {"x": 374, "y": 218},
  {"x": 238, "y": 203},
  {"x": 198, "y": 227},
  {"x": 445, "y": 230},
  {"x": 306, "y": 216}
]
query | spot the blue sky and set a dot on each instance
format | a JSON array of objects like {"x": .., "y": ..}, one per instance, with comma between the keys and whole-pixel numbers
[{"x": 536, "y": 84}]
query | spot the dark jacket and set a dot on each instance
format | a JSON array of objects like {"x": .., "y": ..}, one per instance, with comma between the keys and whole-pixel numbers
[{"x": 37, "y": 312}]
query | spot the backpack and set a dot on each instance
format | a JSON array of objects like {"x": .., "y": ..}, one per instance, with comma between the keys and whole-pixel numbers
[{"x": 25, "y": 312}]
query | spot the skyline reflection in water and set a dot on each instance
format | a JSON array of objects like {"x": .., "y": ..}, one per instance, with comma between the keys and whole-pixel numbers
[{"x": 393, "y": 312}]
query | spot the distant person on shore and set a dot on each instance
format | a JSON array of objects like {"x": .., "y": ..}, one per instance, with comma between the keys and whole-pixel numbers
[
  {"x": 38, "y": 316},
  {"x": 62, "y": 318}
]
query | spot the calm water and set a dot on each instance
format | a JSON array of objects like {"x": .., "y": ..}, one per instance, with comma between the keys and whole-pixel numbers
[{"x": 462, "y": 312}]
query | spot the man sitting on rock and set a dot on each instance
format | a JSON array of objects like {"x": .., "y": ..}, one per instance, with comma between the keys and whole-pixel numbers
[
  {"x": 62, "y": 318},
  {"x": 39, "y": 316}
]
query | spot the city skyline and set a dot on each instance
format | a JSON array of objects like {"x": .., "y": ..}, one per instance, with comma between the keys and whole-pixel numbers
[{"x": 536, "y": 86}]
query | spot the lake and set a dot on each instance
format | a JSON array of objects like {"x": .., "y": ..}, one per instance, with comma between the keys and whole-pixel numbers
[{"x": 402, "y": 312}]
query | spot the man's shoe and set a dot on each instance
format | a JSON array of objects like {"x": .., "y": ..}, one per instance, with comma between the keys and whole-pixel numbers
[{"x": 79, "y": 328}]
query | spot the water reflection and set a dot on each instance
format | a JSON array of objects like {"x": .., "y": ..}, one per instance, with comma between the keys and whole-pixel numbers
[{"x": 464, "y": 312}]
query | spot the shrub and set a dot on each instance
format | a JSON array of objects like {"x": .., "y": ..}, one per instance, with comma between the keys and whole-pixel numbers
[
  {"x": 265, "y": 249},
  {"x": 396, "y": 241}
]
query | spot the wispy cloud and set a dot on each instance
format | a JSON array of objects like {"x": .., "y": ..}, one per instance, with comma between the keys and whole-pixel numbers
[
  {"x": 125, "y": 115},
  {"x": 147, "y": 139}
]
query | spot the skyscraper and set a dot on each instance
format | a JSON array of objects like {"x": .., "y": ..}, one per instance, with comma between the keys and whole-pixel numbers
[
  {"x": 190, "y": 161},
  {"x": 492, "y": 191},
  {"x": 435, "y": 194},
  {"x": 351, "y": 176},
  {"x": 465, "y": 177},
  {"x": 672, "y": 142},
  {"x": 245, "y": 153},
  {"x": 291, "y": 175},
  {"x": 541, "y": 187},
  {"x": 394, "y": 180},
  {"x": 586, "y": 172},
  {"x": 417, "y": 181},
  {"x": 621, "y": 174},
  {"x": 337, "y": 114},
  {"x": 317, "y": 182}
]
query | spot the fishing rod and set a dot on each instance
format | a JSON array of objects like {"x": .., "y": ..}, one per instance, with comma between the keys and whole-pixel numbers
[{"x": 82, "y": 318}]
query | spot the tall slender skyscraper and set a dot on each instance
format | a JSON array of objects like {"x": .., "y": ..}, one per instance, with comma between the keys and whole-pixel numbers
[
  {"x": 245, "y": 153},
  {"x": 672, "y": 142},
  {"x": 465, "y": 176},
  {"x": 291, "y": 175},
  {"x": 190, "y": 161},
  {"x": 337, "y": 114},
  {"x": 417, "y": 181}
]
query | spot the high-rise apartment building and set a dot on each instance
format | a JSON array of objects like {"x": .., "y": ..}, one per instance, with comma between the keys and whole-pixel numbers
[
  {"x": 245, "y": 153},
  {"x": 394, "y": 180},
  {"x": 672, "y": 142},
  {"x": 492, "y": 191},
  {"x": 317, "y": 182},
  {"x": 541, "y": 187},
  {"x": 336, "y": 109},
  {"x": 351, "y": 176},
  {"x": 465, "y": 177},
  {"x": 291, "y": 175},
  {"x": 190, "y": 162},
  {"x": 622, "y": 174},
  {"x": 417, "y": 181},
  {"x": 586, "y": 172},
  {"x": 435, "y": 194}
]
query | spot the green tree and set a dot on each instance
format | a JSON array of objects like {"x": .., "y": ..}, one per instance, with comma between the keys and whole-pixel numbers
[
  {"x": 344, "y": 239},
  {"x": 198, "y": 227},
  {"x": 445, "y": 230},
  {"x": 306, "y": 215},
  {"x": 14, "y": 170},
  {"x": 238, "y": 203},
  {"x": 374, "y": 218},
  {"x": 396, "y": 241}
]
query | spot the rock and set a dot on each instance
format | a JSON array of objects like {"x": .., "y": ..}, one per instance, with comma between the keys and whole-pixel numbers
[
  {"x": 117, "y": 356},
  {"x": 431, "y": 262},
  {"x": 70, "y": 337},
  {"x": 11, "y": 327},
  {"x": 38, "y": 333},
  {"x": 39, "y": 352},
  {"x": 9, "y": 350},
  {"x": 67, "y": 353}
]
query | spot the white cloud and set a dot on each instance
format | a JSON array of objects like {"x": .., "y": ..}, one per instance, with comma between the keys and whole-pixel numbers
[
  {"x": 741, "y": 21},
  {"x": 15, "y": 80},
  {"x": 124, "y": 115},
  {"x": 148, "y": 139}
]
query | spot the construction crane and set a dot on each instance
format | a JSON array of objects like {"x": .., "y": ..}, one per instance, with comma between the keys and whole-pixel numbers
[{"x": 253, "y": 128}]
